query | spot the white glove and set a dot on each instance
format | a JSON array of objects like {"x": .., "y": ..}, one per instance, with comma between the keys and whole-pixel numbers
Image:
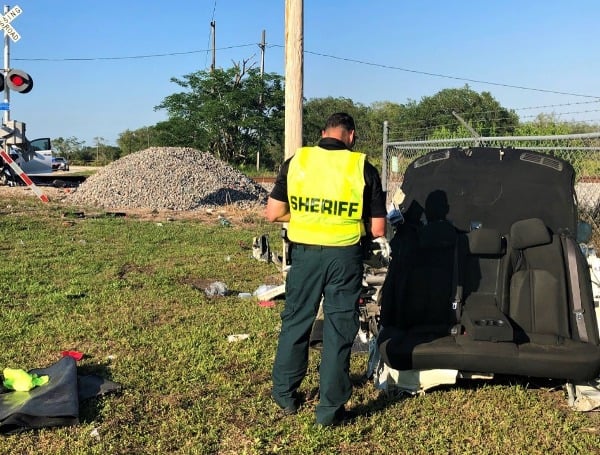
[{"x": 381, "y": 246}]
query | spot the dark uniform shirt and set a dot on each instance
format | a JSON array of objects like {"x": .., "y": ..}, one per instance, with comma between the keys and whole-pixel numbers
[{"x": 373, "y": 196}]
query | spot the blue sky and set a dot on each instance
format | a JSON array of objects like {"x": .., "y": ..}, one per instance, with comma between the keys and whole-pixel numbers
[{"x": 100, "y": 67}]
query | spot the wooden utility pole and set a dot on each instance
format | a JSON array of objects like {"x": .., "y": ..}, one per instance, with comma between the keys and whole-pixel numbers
[
  {"x": 294, "y": 78},
  {"x": 294, "y": 74}
]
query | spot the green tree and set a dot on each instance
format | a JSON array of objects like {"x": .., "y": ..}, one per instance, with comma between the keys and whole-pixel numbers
[
  {"x": 130, "y": 141},
  {"x": 233, "y": 113},
  {"x": 549, "y": 125},
  {"x": 317, "y": 110},
  {"x": 382, "y": 111},
  {"x": 86, "y": 155},
  {"x": 480, "y": 110},
  {"x": 170, "y": 133},
  {"x": 67, "y": 146},
  {"x": 174, "y": 133}
]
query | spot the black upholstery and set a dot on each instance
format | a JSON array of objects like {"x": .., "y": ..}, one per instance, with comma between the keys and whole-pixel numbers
[
  {"x": 426, "y": 308},
  {"x": 528, "y": 233},
  {"x": 538, "y": 294},
  {"x": 518, "y": 312},
  {"x": 482, "y": 278},
  {"x": 485, "y": 241}
]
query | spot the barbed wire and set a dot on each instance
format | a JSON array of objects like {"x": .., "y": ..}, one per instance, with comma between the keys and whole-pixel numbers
[
  {"x": 423, "y": 132},
  {"x": 556, "y": 105},
  {"x": 473, "y": 120}
]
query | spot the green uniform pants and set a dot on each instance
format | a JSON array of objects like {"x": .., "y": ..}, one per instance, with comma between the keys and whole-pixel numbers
[{"x": 336, "y": 274}]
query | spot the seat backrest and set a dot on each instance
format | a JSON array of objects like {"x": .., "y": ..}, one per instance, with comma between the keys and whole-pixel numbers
[
  {"x": 537, "y": 303},
  {"x": 481, "y": 317},
  {"x": 430, "y": 280},
  {"x": 482, "y": 263}
]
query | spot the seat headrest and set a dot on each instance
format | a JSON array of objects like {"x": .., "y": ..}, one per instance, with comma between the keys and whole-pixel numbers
[
  {"x": 484, "y": 241},
  {"x": 528, "y": 233}
]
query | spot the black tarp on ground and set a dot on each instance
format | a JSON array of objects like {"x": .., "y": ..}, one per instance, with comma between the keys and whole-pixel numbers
[{"x": 53, "y": 404}]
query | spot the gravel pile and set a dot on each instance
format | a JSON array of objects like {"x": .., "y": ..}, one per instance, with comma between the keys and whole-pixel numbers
[{"x": 172, "y": 178}]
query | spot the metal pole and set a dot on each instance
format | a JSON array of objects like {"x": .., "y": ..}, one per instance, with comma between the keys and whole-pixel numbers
[
  {"x": 475, "y": 134},
  {"x": 6, "y": 116},
  {"x": 386, "y": 132}
]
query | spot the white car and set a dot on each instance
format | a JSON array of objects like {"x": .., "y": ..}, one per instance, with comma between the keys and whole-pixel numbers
[{"x": 59, "y": 163}]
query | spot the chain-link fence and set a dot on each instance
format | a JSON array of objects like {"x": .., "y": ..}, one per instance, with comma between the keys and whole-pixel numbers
[{"x": 581, "y": 150}]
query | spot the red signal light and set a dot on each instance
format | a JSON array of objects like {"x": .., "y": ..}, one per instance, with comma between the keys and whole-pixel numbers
[{"x": 19, "y": 81}]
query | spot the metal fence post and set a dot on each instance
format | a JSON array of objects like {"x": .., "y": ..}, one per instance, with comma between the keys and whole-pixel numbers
[{"x": 384, "y": 165}]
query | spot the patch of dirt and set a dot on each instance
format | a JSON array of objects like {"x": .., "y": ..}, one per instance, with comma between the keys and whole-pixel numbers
[{"x": 227, "y": 214}]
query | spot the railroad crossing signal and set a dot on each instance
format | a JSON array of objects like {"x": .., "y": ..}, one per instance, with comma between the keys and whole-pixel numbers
[
  {"x": 13, "y": 79},
  {"x": 18, "y": 80},
  {"x": 5, "y": 21}
]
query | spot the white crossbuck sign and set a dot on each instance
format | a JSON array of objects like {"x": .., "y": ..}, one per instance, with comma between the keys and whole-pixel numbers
[{"x": 5, "y": 21}]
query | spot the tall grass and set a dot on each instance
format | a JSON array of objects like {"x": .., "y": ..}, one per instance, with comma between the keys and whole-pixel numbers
[{"x": 129, "y": 293}]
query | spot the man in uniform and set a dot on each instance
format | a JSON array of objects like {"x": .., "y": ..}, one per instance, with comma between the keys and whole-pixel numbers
[{"x": 330, "y": 195}]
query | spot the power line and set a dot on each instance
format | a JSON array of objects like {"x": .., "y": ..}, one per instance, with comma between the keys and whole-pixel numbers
[
  {"x": 414, "y": 129},
  {"x": 492, "y": 111},
  {"x": 520, "y": 87},
  {"x": 346, "y": 59},
  {"x": 130, "y": 57}
]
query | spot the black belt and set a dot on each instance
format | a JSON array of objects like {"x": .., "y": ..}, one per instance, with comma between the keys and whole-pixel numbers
[{"x": 307, "y": 246}]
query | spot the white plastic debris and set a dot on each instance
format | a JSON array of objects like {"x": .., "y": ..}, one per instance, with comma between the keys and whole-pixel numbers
[
  {"x": 216, "y": 288},
  {"x": 268, "y": 292},
  {"x": 237, "y": 337}
]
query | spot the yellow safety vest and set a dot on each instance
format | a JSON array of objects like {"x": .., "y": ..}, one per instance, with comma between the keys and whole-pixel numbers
[{"x": 325, "y": 194}]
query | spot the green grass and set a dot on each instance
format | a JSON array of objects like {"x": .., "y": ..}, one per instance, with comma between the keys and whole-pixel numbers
[{"x": 129, "y": 294}]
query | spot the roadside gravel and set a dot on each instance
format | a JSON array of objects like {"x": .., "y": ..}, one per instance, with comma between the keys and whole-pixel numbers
[{"x": 168, "y": 178}]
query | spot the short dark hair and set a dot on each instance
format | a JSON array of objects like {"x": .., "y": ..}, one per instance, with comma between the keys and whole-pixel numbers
[{"x": 340, "y": 119}]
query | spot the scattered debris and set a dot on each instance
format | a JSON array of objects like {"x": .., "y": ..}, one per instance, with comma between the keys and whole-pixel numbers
[
  {"x": 73, "y": 215},
  {"x": 237, "y": 337},
  {"x": 260, "y": 248},
  {"x": 268, "y": 292},
  {"x": 22, "y": 381},
  {"x": 217, "y": 288},
  {"x": 75, "y": 354}
]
